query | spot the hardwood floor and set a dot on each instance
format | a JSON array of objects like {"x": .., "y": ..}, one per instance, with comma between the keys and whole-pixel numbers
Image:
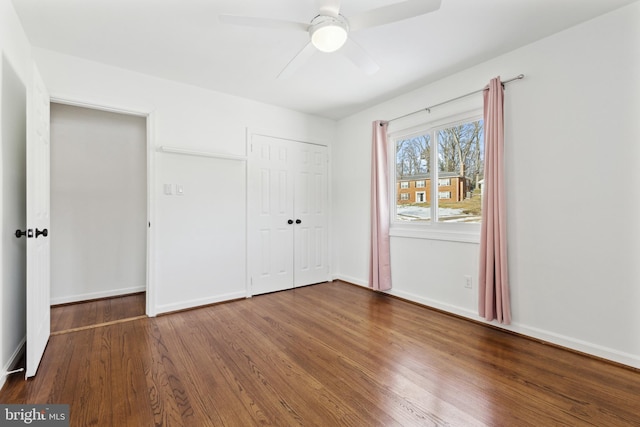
[
  {"x": 78, "y": 315},
  {"x": 330, "y": 354}
]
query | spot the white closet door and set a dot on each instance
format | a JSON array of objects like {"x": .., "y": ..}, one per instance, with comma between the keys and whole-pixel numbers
[
  {"x": 310, "y": 205},
  {"x": 271, "y": 208},
  {"x": 287, "y": 214}
]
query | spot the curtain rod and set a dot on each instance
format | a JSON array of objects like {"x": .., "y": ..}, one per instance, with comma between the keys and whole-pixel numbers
[{"x": 428, "y": 109}]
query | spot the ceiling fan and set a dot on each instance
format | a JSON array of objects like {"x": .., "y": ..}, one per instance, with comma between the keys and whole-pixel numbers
[{"x": 329, "y": 30}]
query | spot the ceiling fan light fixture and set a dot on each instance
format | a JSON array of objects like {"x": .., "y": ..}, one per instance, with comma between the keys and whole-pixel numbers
[{"x": 328, "y": 34}]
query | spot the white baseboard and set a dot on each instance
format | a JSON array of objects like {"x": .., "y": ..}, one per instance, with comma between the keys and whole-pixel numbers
[
  {"x": 96, "y": 295},
  {"x": 183, "y": 305},
  {"x": 352, "y": 280},
  {"x": 17, "y": 354},
  {"x": 539, "y": 334},
  {"x": 460, "y": 311},
  {"x": 575, "y": 344}
]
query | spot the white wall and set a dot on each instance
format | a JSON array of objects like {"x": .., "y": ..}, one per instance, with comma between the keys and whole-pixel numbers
[
  {"x": 199, "y": 246},
  {"x": 572, "y": 133},
  {"x": 14, "y": 199},
  {"x": 14, "y": 73},
  {"x": 98, "y": 203}
]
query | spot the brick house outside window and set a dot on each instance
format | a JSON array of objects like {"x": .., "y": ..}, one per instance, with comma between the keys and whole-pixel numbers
[{"x": 417, "y": 188}]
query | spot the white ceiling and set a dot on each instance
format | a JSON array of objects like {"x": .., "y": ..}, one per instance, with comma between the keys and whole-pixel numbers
[{"x": 183, "y": 40}]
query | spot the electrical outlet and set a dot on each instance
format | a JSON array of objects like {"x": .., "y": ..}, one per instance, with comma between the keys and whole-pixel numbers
[{"x": 468, "y": 283}]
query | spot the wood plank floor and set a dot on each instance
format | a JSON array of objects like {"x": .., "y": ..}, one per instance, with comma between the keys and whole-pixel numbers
[
  {"x": 105, "y": 310},
  {"x": 328, "y": 355}
]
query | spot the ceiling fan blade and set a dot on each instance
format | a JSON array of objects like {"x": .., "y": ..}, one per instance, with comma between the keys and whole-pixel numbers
[
  {"x": 329, "y": 7},
  {"x": 249, "y": 21},
  {"x": 360, "y": 57},
  {"x": 393, "y": 13},
  {"x": 303, "y": 56}
]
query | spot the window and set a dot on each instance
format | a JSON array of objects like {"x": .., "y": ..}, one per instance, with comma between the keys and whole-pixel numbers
[
  {"x": 404, "y": 184},
  {"x": 451, "y": 153},
  {"x": 412, "y": 159},
  {"x": 404, "y": 196}
]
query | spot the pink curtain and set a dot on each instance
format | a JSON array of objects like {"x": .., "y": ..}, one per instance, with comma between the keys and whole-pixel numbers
[
  {"x": 380, "y": 261},
  {"x": 494, "y": 281}
]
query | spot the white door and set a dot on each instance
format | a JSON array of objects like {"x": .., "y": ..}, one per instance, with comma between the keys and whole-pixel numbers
[
  {"x": 271, "y": 208},
  {"x": 310, "y": 207},
  {"x": 288, "y": 214},
  {"x": 38, "y": 303}
]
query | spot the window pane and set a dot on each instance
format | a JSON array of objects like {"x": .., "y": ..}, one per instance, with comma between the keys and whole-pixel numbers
[
  {"x": 460, "y": 172},
  {"x": 413, "y": 190}
]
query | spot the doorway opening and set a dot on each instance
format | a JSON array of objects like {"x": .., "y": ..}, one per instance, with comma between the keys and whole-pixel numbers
[{"x": 99, "y": 218}]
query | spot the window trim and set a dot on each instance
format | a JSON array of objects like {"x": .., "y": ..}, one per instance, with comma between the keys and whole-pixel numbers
[{"x": 433, "y": 230}]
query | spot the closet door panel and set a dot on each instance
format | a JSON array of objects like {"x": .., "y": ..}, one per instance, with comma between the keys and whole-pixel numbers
[
  {"x": 271, "y": 244},
  {"x": 310, "y": 202}
]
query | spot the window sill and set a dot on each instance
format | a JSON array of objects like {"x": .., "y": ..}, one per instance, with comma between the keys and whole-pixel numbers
[{"x": 435, "y": 233}]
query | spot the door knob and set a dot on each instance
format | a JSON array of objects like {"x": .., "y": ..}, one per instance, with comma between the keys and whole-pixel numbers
[
  {"x": 43, "y": 232},
  {"x": 298, "y": 221},
  {"x": 290, "y": 221},
  {"x": 28, "y": 232}
]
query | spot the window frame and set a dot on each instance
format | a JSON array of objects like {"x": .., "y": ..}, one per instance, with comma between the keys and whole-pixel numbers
[{"x": 434, "y": 230}]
